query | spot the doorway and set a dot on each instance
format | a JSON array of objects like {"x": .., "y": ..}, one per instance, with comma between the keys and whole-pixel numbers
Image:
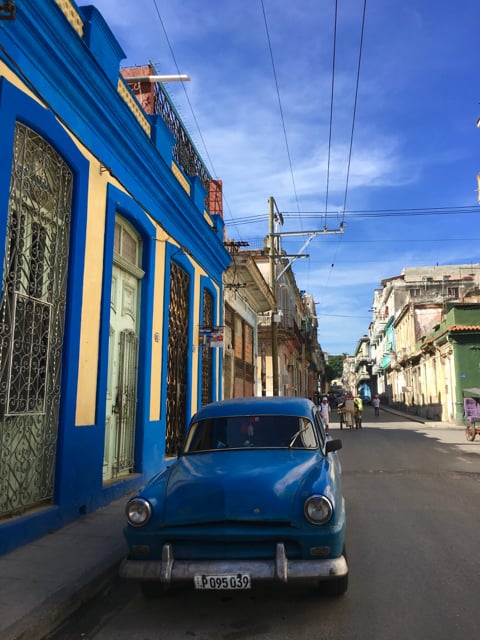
[{"x": 121, "y": 404}]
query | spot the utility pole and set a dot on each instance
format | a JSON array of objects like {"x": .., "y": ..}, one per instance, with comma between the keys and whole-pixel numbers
[
  {"x": 274, "y": 243},
  {"x": 273, "y": 283}
]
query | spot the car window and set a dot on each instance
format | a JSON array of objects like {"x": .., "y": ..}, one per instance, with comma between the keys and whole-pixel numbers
[
  {"x": 321, "y": 428},
  {"x": 307, "y": 435},
  {"x": 206, "y": 435},
  {"x": 264, "y": 431}
]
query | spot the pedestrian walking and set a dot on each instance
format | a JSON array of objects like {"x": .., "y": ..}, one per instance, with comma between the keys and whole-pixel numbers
[
  {"x": 341, "y": 411},
  {"x": 325, "y": 412},
  {"x": 358, "y": 412},
  {"x": 376, "y": 405},
  {"x": 349, "y": 411}
]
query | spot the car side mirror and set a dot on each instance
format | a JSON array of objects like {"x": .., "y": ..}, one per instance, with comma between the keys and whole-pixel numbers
[{"x": 333, "y": 445}]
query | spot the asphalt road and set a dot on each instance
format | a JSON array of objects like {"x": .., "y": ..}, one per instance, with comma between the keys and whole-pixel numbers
[{"x": 413, "y": 496}]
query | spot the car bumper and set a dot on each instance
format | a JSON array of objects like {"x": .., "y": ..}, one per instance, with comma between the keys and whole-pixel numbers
[{"x": 168, "y": 570}]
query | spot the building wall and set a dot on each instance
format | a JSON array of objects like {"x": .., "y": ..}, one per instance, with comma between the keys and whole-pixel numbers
[
  {"x": 446, "y": 362},
  {"x": 122, "y": 165},
  {"x": 466, "y": 349}
]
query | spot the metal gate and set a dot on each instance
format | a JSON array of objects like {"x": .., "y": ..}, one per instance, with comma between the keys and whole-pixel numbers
[
  {"x": 32, "y": 316},
  {"x": 177, "y": 359},
  {"x": 126, "y": 402},
  {"x": 207, "y": 354}
]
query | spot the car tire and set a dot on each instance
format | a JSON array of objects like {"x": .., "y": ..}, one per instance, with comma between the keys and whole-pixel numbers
[
  {"x": 334, "y": 587},
  {"x": 153, "y": 589},
  {"x": 470, "y": 432}
]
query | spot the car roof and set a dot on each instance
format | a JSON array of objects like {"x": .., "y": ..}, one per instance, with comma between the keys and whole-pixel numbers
[{"x": 257, "y": 405}]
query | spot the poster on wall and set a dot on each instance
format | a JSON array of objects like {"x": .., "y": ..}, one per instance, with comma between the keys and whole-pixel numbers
[{"x": 211, "y": 336}]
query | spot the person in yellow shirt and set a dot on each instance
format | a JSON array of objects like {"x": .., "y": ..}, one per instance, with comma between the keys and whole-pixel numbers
[{"x": 358, "y": 402}]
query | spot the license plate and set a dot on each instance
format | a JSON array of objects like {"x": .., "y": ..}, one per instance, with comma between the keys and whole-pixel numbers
[{"x": 223, "y": 581}]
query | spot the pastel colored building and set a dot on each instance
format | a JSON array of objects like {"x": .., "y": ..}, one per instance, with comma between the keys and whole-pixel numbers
[
  {"x": 112, "y": 255},
  {"x": 424, "y": 340}
]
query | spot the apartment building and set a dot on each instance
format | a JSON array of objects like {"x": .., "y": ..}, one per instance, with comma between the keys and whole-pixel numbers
[{"x": 423, "y": 339}]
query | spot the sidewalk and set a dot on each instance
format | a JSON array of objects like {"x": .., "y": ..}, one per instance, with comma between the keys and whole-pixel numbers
[
  {"x": 368, "y": 414},
  {"x": 426, "y": 421},
  {"x": 42, "y": 583}
]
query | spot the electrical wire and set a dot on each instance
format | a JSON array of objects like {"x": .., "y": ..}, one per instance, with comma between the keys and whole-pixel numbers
[
  {"x": 184, "y": 88},
  {"x": 233, "y": 222},
  {"x": 396, "y": 240},
  {"x": 340, "y": 240},
  {"x": 355, "y": 103},
  {"x": 280, "y": 103},
  {"x": 368, "y": 213},
  {"x": 331, "y": 110}
]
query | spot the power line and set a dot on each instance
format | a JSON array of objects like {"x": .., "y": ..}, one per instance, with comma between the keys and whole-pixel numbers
[
  {"x": 191, "y": 108},
  {"x": 331, "y": 108},
  {"x": 369, "y": 213},
  {"x": 280, "y": 104},
  {"x": 401, "y": 213},
  {"x": 394, "y": 240},
  {"x": 412, "y": 240},
  {"x": 355, "y": 103},
  {"x": 183, "y": 85}
]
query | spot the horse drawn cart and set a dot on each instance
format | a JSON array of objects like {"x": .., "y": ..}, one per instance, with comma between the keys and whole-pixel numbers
[{"x": 471, "y": 407}]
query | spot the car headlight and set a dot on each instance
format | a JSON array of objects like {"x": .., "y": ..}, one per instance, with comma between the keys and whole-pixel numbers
[
  {"x": 138, "y": 512},
  {"x": 318, "y": 509}
]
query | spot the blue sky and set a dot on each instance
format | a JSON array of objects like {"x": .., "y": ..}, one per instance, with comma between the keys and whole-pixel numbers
[{"x": 270, "y": 129}]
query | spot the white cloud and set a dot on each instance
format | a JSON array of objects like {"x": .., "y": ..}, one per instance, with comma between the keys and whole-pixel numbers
[{"x": 412, "y": 145}]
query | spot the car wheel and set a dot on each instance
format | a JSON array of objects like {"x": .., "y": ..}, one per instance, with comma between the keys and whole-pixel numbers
[
  {"x": 334, "y": 587},
  {"x": 153, "y": 589},
  {"x": 470, "y": 432}
]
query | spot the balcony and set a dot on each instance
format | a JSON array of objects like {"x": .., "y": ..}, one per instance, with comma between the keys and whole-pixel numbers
[
  {"x": 184, "y": 151},
  {"x": 155, "y": 101}
]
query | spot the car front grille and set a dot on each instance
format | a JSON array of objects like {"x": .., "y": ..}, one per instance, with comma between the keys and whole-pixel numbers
[
  {"x": 234, "y": 541},
  {"x": 234, "y": 550}
]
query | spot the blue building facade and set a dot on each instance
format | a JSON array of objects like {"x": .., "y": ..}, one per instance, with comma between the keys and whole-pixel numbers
[{"x": 111, "y": 262}]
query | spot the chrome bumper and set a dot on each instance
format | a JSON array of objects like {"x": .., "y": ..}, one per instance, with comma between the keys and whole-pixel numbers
[{"x": 169, "y": 570}]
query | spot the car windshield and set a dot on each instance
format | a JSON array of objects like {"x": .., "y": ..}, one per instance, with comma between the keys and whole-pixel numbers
[{"x": 251, "y": 431}]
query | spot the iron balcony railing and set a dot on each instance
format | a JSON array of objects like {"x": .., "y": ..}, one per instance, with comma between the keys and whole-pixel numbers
[{"x": 184, "y": 151}]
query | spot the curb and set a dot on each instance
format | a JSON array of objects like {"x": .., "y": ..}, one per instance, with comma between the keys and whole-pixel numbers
[
  {"x": 427, "y": 422},
  {"x": 403, "y": 415},
  {"x": 56, "y": 609}
]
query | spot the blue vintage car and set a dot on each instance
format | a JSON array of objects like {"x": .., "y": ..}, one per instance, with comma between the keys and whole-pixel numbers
[{"x": 254, "y": 495}]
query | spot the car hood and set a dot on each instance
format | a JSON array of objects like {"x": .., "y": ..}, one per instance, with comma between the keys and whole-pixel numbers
[{"x": 238, "y": 485}]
